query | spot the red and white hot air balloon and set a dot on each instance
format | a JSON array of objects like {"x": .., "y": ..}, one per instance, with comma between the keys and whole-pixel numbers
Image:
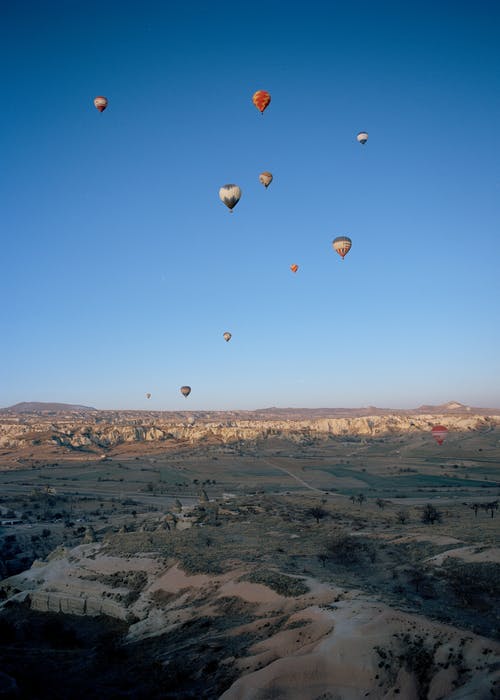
[
  {"x": 294, "y": 267},
  {"x": 100, "y": 103},
  {"x": 261, "y": 100},
  {"x": 439, "y": 433},
  {"x": 342, "y": 245}
]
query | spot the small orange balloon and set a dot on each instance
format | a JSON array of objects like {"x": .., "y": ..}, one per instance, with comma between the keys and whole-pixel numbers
[
  {"x": 261, "y": 99},
  {"x": 294, "y": 268}
]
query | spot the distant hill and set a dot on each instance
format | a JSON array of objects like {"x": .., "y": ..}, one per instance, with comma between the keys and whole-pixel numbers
[
  {"x": 451, "y": 408},
  {"x": 294, "y": 413},
  {"x": 42, "y": 407}
]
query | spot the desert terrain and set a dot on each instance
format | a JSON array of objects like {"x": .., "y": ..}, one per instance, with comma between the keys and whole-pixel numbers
[{"x": 326, "y": 554}]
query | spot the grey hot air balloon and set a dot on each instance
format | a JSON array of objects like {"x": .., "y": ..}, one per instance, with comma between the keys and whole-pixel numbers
[
  {"x": 230, "y": 195},
  {"x": 362, "y": 137},
  {"x": 185, "y": 391},
  {"x": 227, "y": 336},
  {"x": 266, "y": 178},
  {"x": 342, "y": 245},
  {"x": 148, "y": 395}
]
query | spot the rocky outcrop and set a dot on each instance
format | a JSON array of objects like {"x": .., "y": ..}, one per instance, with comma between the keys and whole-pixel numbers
[
  {"x": 317, "y": 641},
  {"x": 94, "y": 434}
]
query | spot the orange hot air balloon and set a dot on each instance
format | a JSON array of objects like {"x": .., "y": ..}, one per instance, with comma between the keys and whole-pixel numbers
[
  {"x": 342, "y": 245},
  {"x": 185, "y": 391},
  {"x": 294, "y": 268},
  {"x": 100, "y": 103},
  {"x": 266, "y": 178},
  {"x": 439, "y": 433},
  {"x": 261, "y": 100}
]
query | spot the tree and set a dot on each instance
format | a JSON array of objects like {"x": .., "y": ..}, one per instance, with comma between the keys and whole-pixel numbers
[
  {"x": 380, "y": 503},
  {"x": 317, "y": 512},
  {"x": 430, "y": 514},
  {"x": 492, "y": 507},
  {"x": 402, "y": 516},
  {"x": 323, "y": 557},
  {"x": 416, "y": 577},
  {"x": 361, "y": 499},
  {"x": 475, "y": 508}
]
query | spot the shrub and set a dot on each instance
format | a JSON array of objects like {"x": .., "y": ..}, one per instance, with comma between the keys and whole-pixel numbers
[
  {"x": 347, "y": 549},
  {"x": 430, "y": 515}
]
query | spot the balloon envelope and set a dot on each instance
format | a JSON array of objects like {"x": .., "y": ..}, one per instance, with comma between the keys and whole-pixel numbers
[
  {"x": 227, "y": 336},
  {"x": 266, "y": 178},
  {"x": 294, "y": 268},
  {"x": 148, "y": 395},
  {"x": 261, "y": 99},
  {"x": 342, "y": 245},
  {"x": 100, "y": 103},
  {"x": 185, "y": 390},
  {"x": 439, "y": 433},
  {"x": 362, "y": 137},
  {"x": 230, "y": 195}
]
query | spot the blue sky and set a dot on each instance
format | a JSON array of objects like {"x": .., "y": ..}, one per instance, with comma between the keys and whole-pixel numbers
[{"x": 121, "y": 269}]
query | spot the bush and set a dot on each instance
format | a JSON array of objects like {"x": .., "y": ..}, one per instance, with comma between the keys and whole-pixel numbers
[
  {"x": 282, "y": 584},
  {"x": 347, "y": 549},
  {"x": 402, "y": 516},
  {"x": 430, "y": 515}
]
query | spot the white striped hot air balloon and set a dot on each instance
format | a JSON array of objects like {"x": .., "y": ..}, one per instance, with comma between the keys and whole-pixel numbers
[
  {"x": 100, "y": 103},
  {"x": 342, "y": 245},
  {"x": 230, "y": 195},
  {"x": 227, "y": 336},
  {"x": 362, "y": 137}
]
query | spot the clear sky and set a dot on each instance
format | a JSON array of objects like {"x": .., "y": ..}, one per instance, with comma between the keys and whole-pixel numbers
[{"x": 120, "y": 269}]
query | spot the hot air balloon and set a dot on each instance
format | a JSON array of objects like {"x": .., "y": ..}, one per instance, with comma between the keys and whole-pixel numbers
[
  {"x": 439, "y": 433},
  {"x": 261, "y": 99},
  {"x": 342, "y": 245},
  {"x": 294, "y": 268},
  {"x": 185, "y": 391},
  {"x": 362, "y": 137},
  {"x": 148, "y": 395},
  {"x": 266, "y": 178},
  {"x": 227, "y": 336},
  {"x": 230, "y": 195},
  {"x": 100, "y": 103}
]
